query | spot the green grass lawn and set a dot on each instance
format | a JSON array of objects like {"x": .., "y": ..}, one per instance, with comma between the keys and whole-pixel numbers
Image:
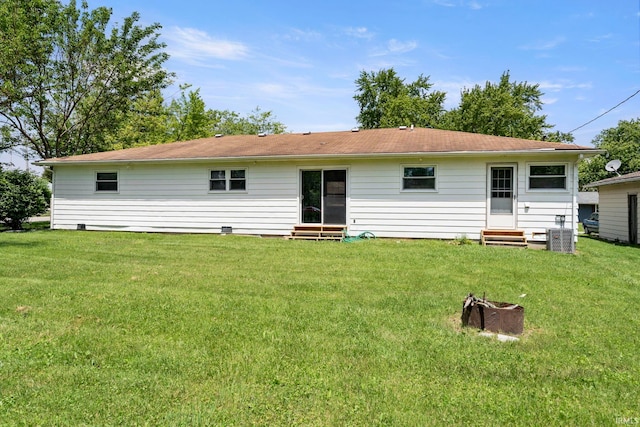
[{"x": 149, "y": 329}]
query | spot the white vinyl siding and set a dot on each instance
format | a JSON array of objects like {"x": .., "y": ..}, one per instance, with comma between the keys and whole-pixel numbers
[
  {"x": 614, "y": 210},
  {"x": 537, "y": 209},
  {"x": 458, "y": 208},
  {"x": 177, "y": 198},
  {"x": 379, "y": 204}
]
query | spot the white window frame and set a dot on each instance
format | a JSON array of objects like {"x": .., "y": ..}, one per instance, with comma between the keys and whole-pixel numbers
[
  {"x": 565, "y": 176},
  {"x": 419, "y": 190},
  {"x": 228, "y": 179},
  {"x": 96, "y": 181}
]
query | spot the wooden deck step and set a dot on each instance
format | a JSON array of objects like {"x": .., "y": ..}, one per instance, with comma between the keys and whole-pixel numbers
[
  {"x": 503, "y": 238},
  {"x": 318, "y": 232}
]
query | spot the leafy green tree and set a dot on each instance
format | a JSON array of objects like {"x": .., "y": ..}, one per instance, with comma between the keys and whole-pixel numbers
[
  {"x": 188, "y": 117},
  {"x": 22, "y": 195},
  {"x": 258, "y": 121},
  {"x": 67, "y": 75},
  {"x": 385, "y": 100},
  {"x": 146, "y": 123},
  {"x": 150, "y": 121},
  {"x": 5, "y": 140},
  {"x": 557, "y": 136},
  {"x": 621, "y": 142},
  {"x": 505, "y": 108}
]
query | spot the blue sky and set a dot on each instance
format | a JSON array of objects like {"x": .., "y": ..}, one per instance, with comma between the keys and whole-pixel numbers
[{"x": 300, "y": 59}]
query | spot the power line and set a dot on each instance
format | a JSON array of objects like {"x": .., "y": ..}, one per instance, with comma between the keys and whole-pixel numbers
[
  {"x": 620, "y": 103},
  {"x": 606, "y": 112}
]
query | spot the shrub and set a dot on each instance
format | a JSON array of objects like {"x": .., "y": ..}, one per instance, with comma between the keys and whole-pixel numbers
[
  {"x": 462, "y": 240},
  {"x": 22, "y": 194}
]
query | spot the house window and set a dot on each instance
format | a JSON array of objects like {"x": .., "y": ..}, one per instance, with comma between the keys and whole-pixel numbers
[
  {"x": 217, "y": 181},
  {"x": 547, "y": 177},
  {"x": 228, "y": 180},
  {"x": 107, "y": 181},
  {"x": 237, "y": 180},
  {"x": 419, "y": 178}
]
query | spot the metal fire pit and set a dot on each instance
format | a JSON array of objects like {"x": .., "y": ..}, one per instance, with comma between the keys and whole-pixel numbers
[{"x": 492, "y": 316}]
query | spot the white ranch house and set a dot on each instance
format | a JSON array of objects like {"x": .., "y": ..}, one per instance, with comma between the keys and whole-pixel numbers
[{"x": 401, "y": 183}]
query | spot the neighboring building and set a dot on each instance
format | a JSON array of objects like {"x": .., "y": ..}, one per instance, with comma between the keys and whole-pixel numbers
[
  {"x": 403, "y": 183},
  {"x": 587, "y": 204},
  {"x": 619, "y": 207}
]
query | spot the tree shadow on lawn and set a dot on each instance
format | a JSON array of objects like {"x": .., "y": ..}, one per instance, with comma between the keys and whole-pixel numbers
[{"x": 28, "y": 226}]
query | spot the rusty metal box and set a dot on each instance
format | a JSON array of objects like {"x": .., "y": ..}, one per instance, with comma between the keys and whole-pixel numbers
[{"x": 507, "y": 318}]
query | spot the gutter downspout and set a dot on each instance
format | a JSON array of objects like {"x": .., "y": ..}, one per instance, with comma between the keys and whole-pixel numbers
[
  {"x": 52, "y": 202},
  {"x": 574, "y": 190}
]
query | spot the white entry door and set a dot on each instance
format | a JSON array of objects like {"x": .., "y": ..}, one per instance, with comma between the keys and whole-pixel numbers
[{"x": 501, "y": 196}]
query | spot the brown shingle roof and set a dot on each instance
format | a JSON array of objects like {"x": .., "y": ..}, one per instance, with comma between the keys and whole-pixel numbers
[{"x": 375, "y": 142}]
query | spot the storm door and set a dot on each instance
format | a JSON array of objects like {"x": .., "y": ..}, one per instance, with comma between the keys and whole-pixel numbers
[
  {"x": 323, "y": 196},
  {"x": 335, "y": 197},
  {"x": 501, "y": 189}
]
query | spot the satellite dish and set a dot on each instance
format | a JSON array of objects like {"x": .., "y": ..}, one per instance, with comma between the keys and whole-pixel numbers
[{"x": 613, "y": 166}]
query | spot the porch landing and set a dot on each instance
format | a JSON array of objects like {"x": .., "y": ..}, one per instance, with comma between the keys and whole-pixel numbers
[
  {"x": 318, "y": 232},
  {"x": 503, "y": 238}
]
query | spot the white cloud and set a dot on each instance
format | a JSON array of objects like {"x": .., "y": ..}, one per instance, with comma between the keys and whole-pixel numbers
[
  {"x": 196, "y": 46},
  {"x": 445, "y": 3},
  {"x": 581, "y": 86},
  {"x": 571, "y": 69},
  {"x": 359, "y": 32},
  {"x": 562, "y": 85},
  {"x": 598, "y": 39},
  {"x": 544, "y": 44},
  {"x": 277, "y": 90},
  {"x": 453, "y": 89},
  {"x": 455, "y": 85},
  {"x": 297, "y": 88},
  {"x": 473, "y": 4},
  {"x": 292, "y": 61},
  {"x": 395, "y": 47},
  {"x": 303, "y": 35},
  {"x": 552, "y": 87}
]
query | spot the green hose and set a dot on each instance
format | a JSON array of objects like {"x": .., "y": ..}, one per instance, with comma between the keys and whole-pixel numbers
[{"x": 362, "y": 236}]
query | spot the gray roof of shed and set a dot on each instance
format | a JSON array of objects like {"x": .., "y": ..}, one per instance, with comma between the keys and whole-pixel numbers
[
  {"x": 630, "y": 177},
  {"x": 588, "y": 198}
]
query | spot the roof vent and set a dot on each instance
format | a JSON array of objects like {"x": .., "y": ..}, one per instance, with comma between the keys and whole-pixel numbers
[
  {"x": 306, "y": 133},
  {"x": 262, "y": 134},
  {"x": 356, "y": 129},
  {"x": 219, "y": 135},
  {"x": 402, "y": 128}
]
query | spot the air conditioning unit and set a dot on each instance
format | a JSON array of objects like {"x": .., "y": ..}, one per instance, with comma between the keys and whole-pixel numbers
[{"x": 560, "y": 240}]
